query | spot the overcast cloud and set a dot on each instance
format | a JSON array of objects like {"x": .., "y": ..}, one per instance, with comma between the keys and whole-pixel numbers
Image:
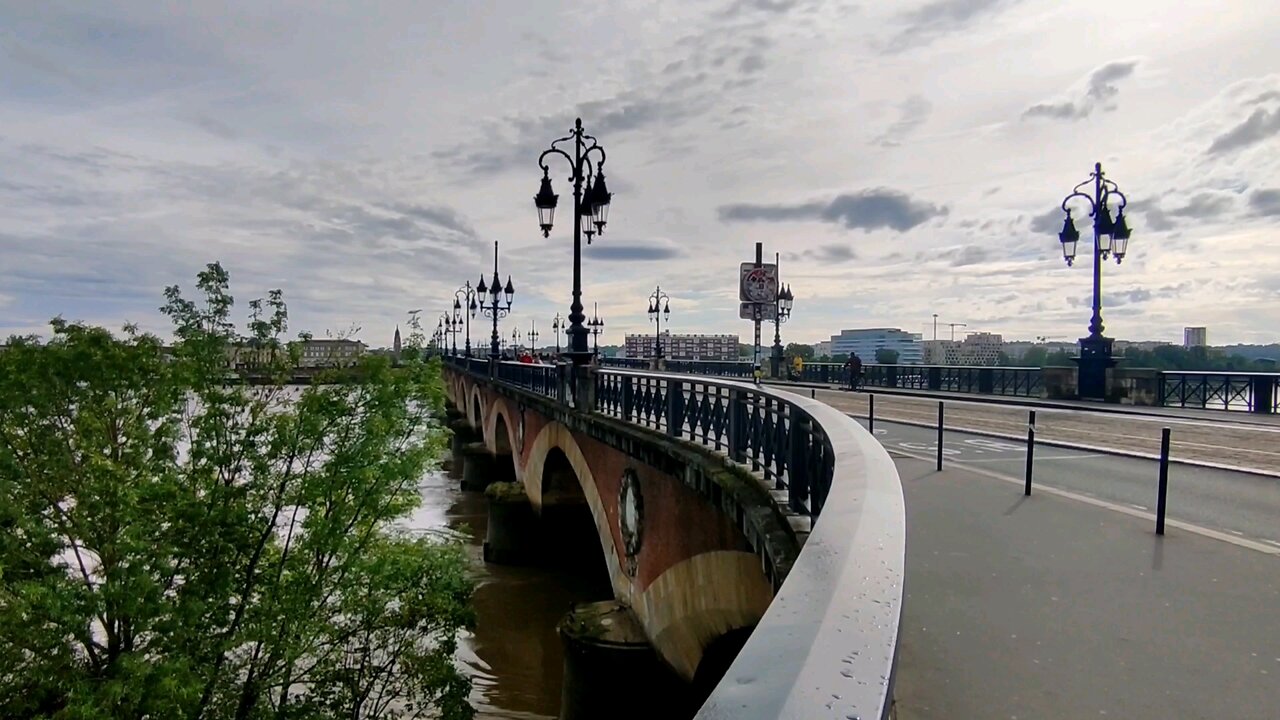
[{"x": 903, "y": 158}]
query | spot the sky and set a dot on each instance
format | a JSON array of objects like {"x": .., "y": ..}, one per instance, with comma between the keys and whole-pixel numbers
[{"x": 903, "y": 159}]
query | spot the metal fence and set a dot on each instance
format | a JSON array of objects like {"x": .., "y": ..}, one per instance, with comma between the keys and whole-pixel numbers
[
  {"x": 754, "y": 427},
  {"x": 716, "y": 368},
  {"x": 1240, "y": 392}
]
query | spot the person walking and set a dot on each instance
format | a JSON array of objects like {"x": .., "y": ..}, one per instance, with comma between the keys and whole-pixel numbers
[{"x": 853, "y": 370}]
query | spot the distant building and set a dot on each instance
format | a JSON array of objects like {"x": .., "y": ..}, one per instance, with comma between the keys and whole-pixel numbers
[
  {"x": 822, "y": 349},
  {"x": 395, "y": 344},
  {"x": 684, "y": 347},
  {"x": 981, "y": 348},
  {"x": 1121, "y": 346},
  {"x": 1195, "y": 337},
  {"x": 330, "y": 353},
  {"x": 941, "y": 352},
  {"x": 866, "y": 341}
]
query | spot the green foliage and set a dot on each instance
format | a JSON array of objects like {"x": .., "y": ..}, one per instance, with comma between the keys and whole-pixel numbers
[
  {"x": 886, "y": 356},
  {"x": 794, "y": 349},
  {"x": 174, "y": 545}
]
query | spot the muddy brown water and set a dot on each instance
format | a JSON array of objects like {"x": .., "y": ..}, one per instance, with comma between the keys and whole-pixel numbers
[{"x": 514, "y": 656}]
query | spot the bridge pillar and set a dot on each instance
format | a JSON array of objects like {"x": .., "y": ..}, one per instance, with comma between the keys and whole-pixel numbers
[
  {"x": 481, "y": 468},
  {"x": 462, "y": 434},
  {"x": 611, "y": 670},
  {"x": 511, "y": 535}
]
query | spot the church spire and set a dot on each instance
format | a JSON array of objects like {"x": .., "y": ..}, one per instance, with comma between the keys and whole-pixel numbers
[{"x": 395, "y": 345}]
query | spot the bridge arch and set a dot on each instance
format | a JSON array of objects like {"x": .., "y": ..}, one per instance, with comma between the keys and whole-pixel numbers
[
  {"x": 475, "y": 413},
  {"x": 554, "y": 436},
  {"x": 499, "y": 430}
]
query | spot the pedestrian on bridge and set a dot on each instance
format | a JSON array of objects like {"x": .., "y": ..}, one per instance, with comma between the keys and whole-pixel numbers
[{"x": 853, "y": 370}]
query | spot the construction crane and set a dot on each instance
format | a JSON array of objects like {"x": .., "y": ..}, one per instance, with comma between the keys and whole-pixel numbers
[{"x": 953, "y": 327}]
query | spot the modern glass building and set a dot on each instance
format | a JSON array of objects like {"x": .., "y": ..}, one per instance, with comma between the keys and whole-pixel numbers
[{"x": 866, "y": 341}]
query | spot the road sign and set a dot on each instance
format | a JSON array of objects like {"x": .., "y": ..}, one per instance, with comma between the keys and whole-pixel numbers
[
  {"x": 758, "y": 284},
  {"x": 757, "y": 311}
]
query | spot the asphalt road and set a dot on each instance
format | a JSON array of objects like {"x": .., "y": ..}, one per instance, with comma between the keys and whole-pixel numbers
[
  {"x": 1241, "y": 504},
  {"x": 1234, "y": 440}
]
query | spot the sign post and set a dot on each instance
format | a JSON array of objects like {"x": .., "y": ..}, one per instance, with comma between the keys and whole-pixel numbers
[{"x": 758, "y": 295}]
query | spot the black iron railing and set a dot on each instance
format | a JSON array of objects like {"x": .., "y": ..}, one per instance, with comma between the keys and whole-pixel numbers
[
  {"x": 1015, "y": 381},
  {"x": 752, "y": 426},
  {"x": 541, "y": 379},
  {"x": 717, "y": 368},
  {"x": 636, "y": 363},
  {"x": 1240, "y": 392}
]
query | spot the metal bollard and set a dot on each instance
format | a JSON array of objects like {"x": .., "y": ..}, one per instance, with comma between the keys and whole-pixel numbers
[
  {"x": 871, "y": 413},
  {"x": 939, "y": 436},
  {"x": 1031, "y": 449},
  {"x": 1163, "y": 491}
]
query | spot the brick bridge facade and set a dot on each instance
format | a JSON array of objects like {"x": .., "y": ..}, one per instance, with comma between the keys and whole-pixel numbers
[{"x": 692, "y": 545}]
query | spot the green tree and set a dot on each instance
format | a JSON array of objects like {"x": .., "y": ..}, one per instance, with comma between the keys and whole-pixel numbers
[
  {"x": 1035, "y": 356},
  {"x": 886, "y": 356},
  {"x": 177, "y": 544},
  {"x": 794, "y": 349}
]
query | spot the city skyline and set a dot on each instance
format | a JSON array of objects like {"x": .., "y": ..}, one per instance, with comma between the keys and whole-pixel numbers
[{"x": 339, "y": 154}]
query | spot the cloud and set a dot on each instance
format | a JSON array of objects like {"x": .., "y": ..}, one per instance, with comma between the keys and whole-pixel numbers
[
  {"x": 912, "y": 113},
  {"x": 870, "y": 209},
  {"x": 1098, "y": 90},
  {"x": 776, "y": 7},
  {"x": 939, "y": 18},
  {"x": 1265, "y": 202},
  {"x": 626, "y": 252},
  {"x": 965, "y": 255},
  {"x": 1049, "y": 222},
  {"x": 1204, "y": 206},
  {"x": 1260, "y": 125},
  {"x": 826, "y": 254}
]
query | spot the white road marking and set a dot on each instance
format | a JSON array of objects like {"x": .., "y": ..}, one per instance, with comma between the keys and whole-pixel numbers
[
  {"x": 1021, "y": 458},
  {"x": 1261, "y": 547}
]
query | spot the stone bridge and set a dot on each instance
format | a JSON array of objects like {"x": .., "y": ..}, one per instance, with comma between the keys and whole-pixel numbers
[{"x": 700, "y": 498}]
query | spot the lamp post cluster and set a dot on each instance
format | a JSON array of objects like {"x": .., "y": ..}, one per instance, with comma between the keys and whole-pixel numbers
[
  {"x": 558, "y": 325},
  {"x": 597, "y": 327},
  {"x": 659, "y": 309},
  {"x": 494, "y": 307},
  {"x": 591, "y": 198},
  {"x": 464, "y": 308},
  {"x": 1110, "y": 237},
  {"x": 782, "y": 313}
]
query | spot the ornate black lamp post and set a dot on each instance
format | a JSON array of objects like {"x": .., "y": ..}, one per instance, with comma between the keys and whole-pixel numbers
[
  {"x": 1110, "y": 237},
  {"x": 597, "y": 326},
  {"x": 493, "y": 308},
  {"x": 591, "y": 202},
  {"x": 532, "y": 335},
  {"x": 464, "y": 308},
  {"x": 515, "y": 341},
  {"x": 659, "y": 306},
  {"x": 558, "y": 324},
  {"x": 782, "y": 314}
]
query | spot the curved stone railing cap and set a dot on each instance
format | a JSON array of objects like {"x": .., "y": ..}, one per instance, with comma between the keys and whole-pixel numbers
[{"x": 827, "y": 645}]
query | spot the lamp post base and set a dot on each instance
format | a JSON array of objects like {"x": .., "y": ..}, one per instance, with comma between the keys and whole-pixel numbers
[
  {"x": 1094, "y": 361},
  {"x": 775, "y": 362}
]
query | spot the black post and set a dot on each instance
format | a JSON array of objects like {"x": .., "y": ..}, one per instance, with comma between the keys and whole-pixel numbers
[
  {"x": 939, "y": 436},
  {"x": 1031, "y": 449},
  {"x": 1164, "y": 480},
  {"x": 813, "y": 393},
  {"x": 675, "y": 408},
  {"x": 756, "y": 314},
  {"x": 871, "y": 413}
]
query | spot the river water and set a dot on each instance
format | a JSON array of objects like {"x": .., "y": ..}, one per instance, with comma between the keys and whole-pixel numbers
[{"x": 514, "y": 656}]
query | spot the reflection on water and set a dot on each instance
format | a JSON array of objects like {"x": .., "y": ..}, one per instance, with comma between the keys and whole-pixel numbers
[{"x": 514, "y": 657}]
